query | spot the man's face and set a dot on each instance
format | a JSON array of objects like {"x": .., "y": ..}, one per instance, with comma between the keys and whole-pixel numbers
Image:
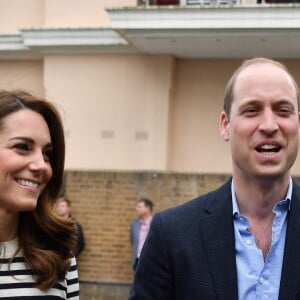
[
  {"x": 142, "y": 210},
  {"x": 263, "y": 127}
]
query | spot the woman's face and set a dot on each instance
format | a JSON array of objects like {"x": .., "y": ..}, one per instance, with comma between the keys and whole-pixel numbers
[{"x": 25, "y": 150}]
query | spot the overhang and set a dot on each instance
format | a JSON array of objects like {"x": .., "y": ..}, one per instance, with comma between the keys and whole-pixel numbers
[
  {"x": 203, "y": 31},
  {"x": 220, "y": 31},
  {"x": 34, "y": 43}
]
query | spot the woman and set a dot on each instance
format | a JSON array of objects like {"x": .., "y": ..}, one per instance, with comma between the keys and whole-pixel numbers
[{"x": 35, "y": 246}]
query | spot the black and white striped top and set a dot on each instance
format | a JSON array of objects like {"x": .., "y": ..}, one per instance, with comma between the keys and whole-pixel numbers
[{"x": 18, "y": 283}]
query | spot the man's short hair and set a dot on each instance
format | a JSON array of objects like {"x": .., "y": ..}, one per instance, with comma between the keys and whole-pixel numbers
[
  {"x": 147, "y": 202},
  {"x": 229, "y": 90}
]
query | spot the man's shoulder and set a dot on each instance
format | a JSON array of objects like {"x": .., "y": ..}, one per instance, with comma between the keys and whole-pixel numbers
[
  {"x": 296, "y": 193},
  {"x": 296, "y": 185},
  {"x": 135, "y": 221}
]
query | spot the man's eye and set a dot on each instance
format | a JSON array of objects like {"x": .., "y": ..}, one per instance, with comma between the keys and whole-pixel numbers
[
  {"x": 250, "y": 110},
  {"x": 284, "y": 110}
]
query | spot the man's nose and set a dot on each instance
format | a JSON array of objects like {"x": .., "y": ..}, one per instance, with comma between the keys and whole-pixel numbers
[{"x": 268, "y": 122}]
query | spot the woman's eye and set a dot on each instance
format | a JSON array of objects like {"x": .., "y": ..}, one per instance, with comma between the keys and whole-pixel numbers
[
  {"x": 21, "y": 147},
  {"x": 47, "y": 155}
]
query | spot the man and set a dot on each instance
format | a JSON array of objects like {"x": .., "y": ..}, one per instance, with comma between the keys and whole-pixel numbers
[
  {"x": 63, "y": 209},
  {"x": 139, "y": 228},
  {"x": 241, "y": 241}
]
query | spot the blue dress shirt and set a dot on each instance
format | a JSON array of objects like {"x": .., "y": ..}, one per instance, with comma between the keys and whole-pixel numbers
[{"x": 259, "y": 279}]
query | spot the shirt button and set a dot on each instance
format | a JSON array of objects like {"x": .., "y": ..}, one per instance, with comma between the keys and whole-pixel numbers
[
  {"x": 248, "y": 242},
  {"x": 261, "y": 280}
]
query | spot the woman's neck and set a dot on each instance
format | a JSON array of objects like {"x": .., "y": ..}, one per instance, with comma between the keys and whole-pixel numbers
[{"x": 8, "y": 225}]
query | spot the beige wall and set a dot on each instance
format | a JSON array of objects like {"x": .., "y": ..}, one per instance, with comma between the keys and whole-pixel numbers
[
  {"x": 22, "y": 75},
  {"x": 196, "y": 145},
  {"x": 135, "y": 112},
  {"x": 17, "y": 14},
  {"x": 80, "y": 13},
  {"x": 123, "y": 95},
  {"x": 116, "y": 109}
]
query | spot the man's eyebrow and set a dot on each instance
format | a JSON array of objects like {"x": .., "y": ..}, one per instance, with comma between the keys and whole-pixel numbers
[{"x": 284, "y": 101}]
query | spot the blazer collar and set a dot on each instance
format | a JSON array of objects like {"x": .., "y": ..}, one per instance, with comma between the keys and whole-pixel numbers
[
  {"x": 217, "y": 231},
  {"x": 290, "y": 275},
  {"x": 218, "y": 239}
]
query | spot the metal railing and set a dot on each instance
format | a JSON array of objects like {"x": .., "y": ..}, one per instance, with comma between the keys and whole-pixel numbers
[
  {"x": 210, "y": 2},
  {"x": 185, "y": 2}
]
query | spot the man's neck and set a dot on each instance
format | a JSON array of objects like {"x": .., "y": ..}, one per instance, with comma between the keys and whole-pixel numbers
[
  {"x": 145, "y": 218},
  {"x": 256, "y": 198}
]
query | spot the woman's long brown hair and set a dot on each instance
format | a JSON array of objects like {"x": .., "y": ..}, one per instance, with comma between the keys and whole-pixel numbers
[{"x": 46, "y": 240}]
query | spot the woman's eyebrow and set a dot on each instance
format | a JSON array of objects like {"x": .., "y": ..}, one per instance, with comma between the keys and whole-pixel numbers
[
  {"x": 29, "y": 140},
  {"x": 49, "y": 146},
  {"x": 23, "y": 138}
]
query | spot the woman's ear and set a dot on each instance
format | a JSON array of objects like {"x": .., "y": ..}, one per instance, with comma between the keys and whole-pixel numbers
[{"x": 224, "y": 126}]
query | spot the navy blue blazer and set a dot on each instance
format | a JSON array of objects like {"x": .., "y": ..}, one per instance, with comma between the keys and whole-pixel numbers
[{"x": 189, "y": 253}]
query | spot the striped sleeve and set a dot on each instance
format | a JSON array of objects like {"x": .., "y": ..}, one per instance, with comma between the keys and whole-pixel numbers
[
  {"x": 17, "y": 282},
  {"x": 72, "y": 281}
]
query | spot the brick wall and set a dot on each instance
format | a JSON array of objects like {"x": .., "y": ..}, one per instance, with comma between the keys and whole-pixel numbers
[{"x": 104, "y": 203}]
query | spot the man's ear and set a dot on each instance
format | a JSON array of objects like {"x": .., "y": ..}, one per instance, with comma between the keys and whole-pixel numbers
[{"x": 224, "y": 126}]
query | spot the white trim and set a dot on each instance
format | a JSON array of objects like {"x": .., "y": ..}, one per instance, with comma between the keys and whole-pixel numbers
[
  {"x": 207, "y": 17},
  {"x": 35, "y": 43},
  {"x": 71, "y": 37},
  {"x": 11, "y": 42}
]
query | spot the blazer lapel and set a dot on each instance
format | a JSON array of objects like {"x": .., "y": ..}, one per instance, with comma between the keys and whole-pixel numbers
[
  {"x": 218, "y": 239},
  {"x": 290, "y": 275}
]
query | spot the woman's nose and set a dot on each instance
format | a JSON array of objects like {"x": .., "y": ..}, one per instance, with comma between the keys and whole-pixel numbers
[{"x": 38, "y": 162}]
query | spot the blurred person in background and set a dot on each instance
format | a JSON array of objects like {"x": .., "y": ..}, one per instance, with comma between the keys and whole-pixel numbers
[
  {"x": 63, "y": 209},
  {"x": 139, "y": 228}
]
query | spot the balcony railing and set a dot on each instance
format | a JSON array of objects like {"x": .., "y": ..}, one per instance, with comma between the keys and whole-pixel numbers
[
  {"x": 210, "y": 2},
  {"x": 185, "y": 2}
]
